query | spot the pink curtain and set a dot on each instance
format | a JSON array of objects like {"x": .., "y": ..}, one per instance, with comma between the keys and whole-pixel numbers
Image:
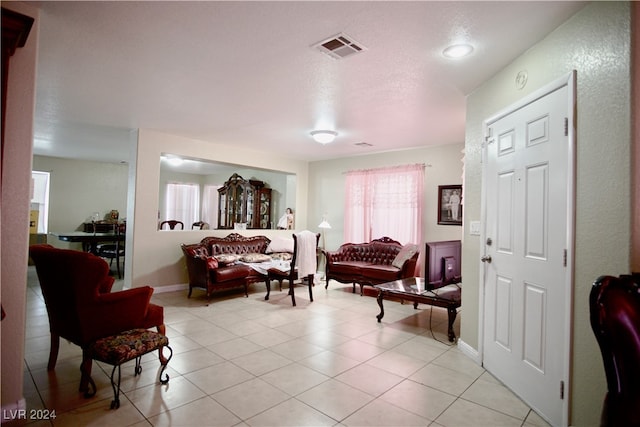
[{"x": 384, "y": 202}]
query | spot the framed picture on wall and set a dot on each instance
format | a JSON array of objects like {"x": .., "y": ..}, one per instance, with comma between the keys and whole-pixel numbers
[{"x": 450, "y": 204}]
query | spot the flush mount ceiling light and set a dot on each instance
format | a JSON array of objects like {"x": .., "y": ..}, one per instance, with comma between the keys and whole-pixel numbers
[
  {"x": 457, "y": 51},
  {"x": 173, "y": 160},
  {"x": 324, "y": 136}
]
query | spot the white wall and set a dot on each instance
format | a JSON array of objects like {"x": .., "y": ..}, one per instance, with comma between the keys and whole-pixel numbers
[
  {"x": 155, "y": 257},
  {"x": 595, "y": 42},
  {"x": 327, "y": 179},
  {"x": 72, "y": 201}
]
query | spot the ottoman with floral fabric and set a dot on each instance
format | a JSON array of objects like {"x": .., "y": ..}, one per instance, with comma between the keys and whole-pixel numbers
[{"x": 118, "y": 349}]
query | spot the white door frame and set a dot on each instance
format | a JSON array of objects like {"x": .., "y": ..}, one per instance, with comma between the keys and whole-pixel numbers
[{"x": 568, "y": 80}]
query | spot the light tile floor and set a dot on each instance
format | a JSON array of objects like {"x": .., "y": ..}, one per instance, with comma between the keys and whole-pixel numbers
[{"x": 249, "y": 362}]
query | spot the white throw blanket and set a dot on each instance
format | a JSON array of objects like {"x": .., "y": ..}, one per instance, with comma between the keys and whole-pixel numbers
[{"x": 306, "y": 253}]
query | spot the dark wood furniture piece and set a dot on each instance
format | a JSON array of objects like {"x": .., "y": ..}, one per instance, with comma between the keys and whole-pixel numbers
[
  {"x": 114, "y": 251},
  {"x": 15, "y": 31},
  {"x": 614, "y": 306},
  {"x": 100, "y": 226},
  {"x": 369, "y": 263},
  {"x": 292, "y": 274},
  {"x": 245, "y": 202},
  {"x": 172, "y": 223},
  {"x": 413, "y": 289},
  {"x": 89, "y": 240}
]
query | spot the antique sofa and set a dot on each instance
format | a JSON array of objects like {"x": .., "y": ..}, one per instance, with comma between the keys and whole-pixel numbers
[
  {"x": 218, "y": 263},
  {"x": 379, "y": 261}
]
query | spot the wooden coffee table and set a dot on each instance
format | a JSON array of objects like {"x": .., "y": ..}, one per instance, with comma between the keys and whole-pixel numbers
[{"x": 413, "y": 289}]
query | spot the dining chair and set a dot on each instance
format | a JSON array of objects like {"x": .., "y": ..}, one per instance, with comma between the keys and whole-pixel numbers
[
  {"x": 114, "y": 251},
  {"x": 201, "y": 225},
  {"x": 304, "y": 264},
  {"x": 172, "y": 223}
]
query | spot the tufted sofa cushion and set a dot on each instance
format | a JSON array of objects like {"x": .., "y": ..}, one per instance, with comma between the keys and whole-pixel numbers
[
  {"x": 368, "y": 263},
  {"x": 235, "y": 244}
]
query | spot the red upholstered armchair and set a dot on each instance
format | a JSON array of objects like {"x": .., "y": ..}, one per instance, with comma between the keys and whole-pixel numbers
[
  {"x": 614, "y": 305},
  {"x": 76, "y": 287}
]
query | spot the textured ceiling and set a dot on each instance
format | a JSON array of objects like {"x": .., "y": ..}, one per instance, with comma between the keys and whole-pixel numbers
[{"x": 244, "y": 73}]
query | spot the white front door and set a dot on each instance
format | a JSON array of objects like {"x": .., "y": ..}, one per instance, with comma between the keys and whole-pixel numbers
[{"x": 527, "y": 232}]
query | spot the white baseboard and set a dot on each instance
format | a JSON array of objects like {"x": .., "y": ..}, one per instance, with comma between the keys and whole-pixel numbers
[
  {"x": 171, "y": 288},
  {"x": 470, "y": 352},
  {"x": 14, "y": 411}
]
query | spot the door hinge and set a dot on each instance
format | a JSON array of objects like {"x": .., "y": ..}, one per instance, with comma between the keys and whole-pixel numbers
[
  {"x": 561, "y": 390},
  {"x": 488, "y": 134},
  {"x": 566, "y": 126},
  {"x": 564, "y": 258}
]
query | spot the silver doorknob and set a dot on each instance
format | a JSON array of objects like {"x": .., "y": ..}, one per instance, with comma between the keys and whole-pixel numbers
[{"x": 486, "y": 258}]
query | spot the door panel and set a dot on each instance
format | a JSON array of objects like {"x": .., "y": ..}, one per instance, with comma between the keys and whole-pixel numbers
[{"x": 526, "y": 191}]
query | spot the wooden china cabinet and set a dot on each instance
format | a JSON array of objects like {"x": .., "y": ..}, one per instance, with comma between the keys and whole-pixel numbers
[{"x": 244, "y": 202}]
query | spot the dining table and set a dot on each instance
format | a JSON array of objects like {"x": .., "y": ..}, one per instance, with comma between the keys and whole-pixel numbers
[{"x": 89, "y": 240}]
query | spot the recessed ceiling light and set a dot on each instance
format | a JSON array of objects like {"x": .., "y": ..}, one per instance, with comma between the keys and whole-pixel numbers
[
  {"x": 457, "y": 50},
  {"x": 324, "y": 136}
]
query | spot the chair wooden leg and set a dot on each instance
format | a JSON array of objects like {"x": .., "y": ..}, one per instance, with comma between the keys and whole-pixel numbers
[
  {"x": 310, "y": 278},
  {"x": 87, "y": 386},
  {"x": 53, "y": 353},
  {"x": 292, "y": 293},
  {"x": 118, "y": 267},
  {"x": 267, "y": 282}
]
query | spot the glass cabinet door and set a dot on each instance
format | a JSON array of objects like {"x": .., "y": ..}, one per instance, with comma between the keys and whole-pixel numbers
[
  {"x": 264, "y": 214},
  {"x": 242, "y": 201}
]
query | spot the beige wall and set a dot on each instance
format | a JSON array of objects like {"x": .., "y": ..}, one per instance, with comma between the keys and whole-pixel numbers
[
  {"x": 595, "y": 42},
  {"x": 16, "y": 183},
  {"x": 327, "y": 178},
  {"x": 155, "y": 257}
]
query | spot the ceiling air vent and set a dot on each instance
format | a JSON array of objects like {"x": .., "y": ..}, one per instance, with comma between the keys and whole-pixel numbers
[{"x": 339, "y": 46}]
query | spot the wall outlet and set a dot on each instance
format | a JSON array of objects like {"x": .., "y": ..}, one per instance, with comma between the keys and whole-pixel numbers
[{"x": 474, "y": 228}]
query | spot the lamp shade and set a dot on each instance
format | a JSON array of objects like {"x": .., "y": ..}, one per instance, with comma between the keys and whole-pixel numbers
[
  {"x": 324, "y": 136},
  {"x": 324, "y": 224}
]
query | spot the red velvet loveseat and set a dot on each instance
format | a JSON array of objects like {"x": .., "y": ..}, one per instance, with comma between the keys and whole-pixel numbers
[{"x": 379, "y": 261}]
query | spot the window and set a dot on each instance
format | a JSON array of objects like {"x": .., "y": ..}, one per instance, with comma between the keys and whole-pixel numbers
[
  {"x": 182, "y": 202},
  {"x": 384, "y": 202},
  {"x": 210, "y": 205},
  {"x": 40, "y": 199}
]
